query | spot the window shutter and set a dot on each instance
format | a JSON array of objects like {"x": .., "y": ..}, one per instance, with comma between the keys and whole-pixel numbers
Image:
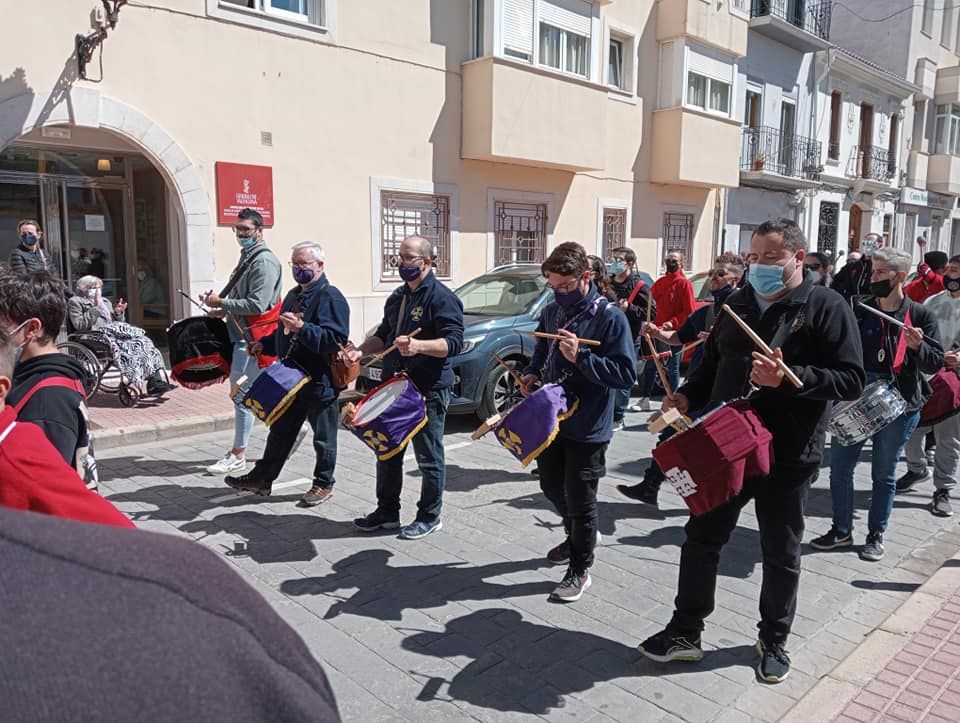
[
  {"x": 571, "y": 15},
  {"x": 699, "y": 61},
  {"x": 518, "y": 26}
]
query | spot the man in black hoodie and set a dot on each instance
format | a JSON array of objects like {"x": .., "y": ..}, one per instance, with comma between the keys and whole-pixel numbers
[{"x": 47, "y": 385}]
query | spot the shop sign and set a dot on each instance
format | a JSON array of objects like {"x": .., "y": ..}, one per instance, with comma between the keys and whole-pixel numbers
[
  {"x": 240, "y": 186},
  {"x": 921, "y": 197}
]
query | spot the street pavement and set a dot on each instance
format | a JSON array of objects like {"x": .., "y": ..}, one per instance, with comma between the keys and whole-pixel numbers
[{"x": 457, "y": 626}]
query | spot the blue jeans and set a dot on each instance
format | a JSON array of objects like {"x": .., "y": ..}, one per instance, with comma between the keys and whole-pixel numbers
[
  {"x": 428, "y": 449},
  {"x": 672, "y": 366},
  {"x": 887, "y": 446},
  {"x": 243, "y": 418}
]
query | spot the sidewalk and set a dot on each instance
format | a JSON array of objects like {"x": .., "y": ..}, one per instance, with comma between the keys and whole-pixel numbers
[{"x": 908, "y": 669}]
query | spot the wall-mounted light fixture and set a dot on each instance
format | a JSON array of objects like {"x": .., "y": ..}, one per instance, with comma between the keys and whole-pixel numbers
[{"x": 86, "y": 44}]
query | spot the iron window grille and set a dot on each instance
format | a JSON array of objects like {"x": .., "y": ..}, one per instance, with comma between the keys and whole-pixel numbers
[
  {"x": 413, "y": 214},
  {"x": 614, "y": 230},
  {"x": 678, "y": 233},
  {"x": 520, "y": 232}
]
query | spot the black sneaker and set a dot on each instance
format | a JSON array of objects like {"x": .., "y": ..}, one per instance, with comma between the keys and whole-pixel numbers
[
  {"x": 873, "y": 549},
  {"x": 910, "y": 479},
  {"x": 376, "y": 520},
  {"x": 669, "y": 645},
  {"x": 249, "y": 483},
  {"x": 641, "y": 492},
  {"x": 941, "y": 504},
  {"x": 774, "y": 666},
  {"x": 832, "y": 540}
]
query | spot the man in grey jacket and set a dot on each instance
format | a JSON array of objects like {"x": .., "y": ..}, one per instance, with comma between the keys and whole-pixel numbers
[{"x": 252, "y": 299}]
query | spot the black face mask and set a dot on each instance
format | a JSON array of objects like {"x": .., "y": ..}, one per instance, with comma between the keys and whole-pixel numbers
[
  {"x": 720, "y": 296},
  {"x": 881, "y": 289},
  {"x": 672, "y": 266},
  {"x": 952, "y": 285}
]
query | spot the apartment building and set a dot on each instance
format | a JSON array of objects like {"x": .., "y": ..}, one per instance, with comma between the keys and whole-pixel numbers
[{"x": 497, "y": 128}]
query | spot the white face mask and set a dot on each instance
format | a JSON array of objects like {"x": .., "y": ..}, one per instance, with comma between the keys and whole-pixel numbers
[
  {"x": 19, "y": 350},
  {"x": 93, "y": 293},
  {"x": 141, "y": 275}
]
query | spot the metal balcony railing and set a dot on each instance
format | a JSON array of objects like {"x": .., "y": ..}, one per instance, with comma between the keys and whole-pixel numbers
[
  {"x": 873, "y": 163},
  {"x": 810, "y": 15},
  {"x": 770, "y": 150}
]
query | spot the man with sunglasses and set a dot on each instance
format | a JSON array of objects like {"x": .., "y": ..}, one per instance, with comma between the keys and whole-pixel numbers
[
  {"x": 252, "y": 298},
  {"x": 421, "y": 302},
  {"x": 817, "y": 267}
]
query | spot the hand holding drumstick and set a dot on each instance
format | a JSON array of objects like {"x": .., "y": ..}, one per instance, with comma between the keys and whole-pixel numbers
[{"x": 769, "y": 368}]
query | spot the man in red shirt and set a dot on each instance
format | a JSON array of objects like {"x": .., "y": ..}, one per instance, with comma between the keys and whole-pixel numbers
[
  {"x": 930, "y": 279},
  {"x": 673, "y": 296}
]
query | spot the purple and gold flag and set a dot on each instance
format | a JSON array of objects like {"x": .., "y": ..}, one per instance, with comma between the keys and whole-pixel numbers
[{"x": 531, "y": 426}]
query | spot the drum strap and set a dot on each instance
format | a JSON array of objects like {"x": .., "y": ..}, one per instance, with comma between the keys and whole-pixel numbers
[{"x": 241, "y": 270}]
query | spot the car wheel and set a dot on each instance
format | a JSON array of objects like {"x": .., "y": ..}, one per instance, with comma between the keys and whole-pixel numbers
[{"x": 500, "y": 392}]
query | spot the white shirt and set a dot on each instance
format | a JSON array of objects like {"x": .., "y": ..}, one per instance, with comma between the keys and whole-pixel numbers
[{"x": 947, "y": 310}]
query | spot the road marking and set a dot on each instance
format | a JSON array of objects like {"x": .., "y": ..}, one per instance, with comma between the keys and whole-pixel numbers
[
  {"x": 281, "y": 486},
  {"x": 457, "y": 445}
]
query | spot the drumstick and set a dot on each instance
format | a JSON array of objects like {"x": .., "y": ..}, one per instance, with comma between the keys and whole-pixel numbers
[
  {"x": 545, "y": 335},
  {"x": 897, "y": 322},
  {"x": 390, "y": 349},
  {"x": 660, "y": 370},
  {"x": 510, "y": 370},
  {"x": 787, "y": 371},
  {"x": 205, "y": 310},
  {"x": 665, "y": 354}
]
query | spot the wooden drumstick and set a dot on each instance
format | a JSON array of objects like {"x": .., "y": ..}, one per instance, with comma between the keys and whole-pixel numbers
[
  {"x": 787, "y": 371},
  {"x": 390, "y": 349},
  {"x": 897, "y": 322},
  {"x": 510, "y": 370},
  {"x": 660, "y": 370},
  {"x": 545, "y": 335}
]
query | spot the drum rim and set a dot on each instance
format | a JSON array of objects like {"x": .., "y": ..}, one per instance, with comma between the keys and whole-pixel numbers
[{"x": 382, "y": 385}]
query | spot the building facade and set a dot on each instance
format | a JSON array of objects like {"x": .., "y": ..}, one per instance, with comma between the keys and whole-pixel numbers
[{"x": 497, "y": 128}]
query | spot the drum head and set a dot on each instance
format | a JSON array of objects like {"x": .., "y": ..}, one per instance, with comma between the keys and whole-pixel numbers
[{"x": 379, "y": 401}]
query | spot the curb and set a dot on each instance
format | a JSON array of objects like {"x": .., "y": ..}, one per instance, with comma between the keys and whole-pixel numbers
[{"x": 830, "y": 696}]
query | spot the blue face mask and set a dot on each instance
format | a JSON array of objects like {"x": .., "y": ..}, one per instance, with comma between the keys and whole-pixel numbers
[
  {"x": 246, "y": 241},
  {"x": 29, "y": 239},
  {"x": 767, "y": 279},
  {"x": 617, "y": 267}
]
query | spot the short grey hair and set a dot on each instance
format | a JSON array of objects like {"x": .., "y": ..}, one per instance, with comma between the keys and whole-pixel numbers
[
  {"x": 316, "y": 250},
  {"x": 84, "y": 283},
  {"x": 897, "y": 259}
]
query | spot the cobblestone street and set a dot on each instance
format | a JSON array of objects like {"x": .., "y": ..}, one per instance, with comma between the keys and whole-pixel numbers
[{"x": 457, "y": 626}]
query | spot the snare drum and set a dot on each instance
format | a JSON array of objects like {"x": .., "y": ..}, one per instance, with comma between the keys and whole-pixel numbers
[
  {"x": 879, "y": 405},
  {"x": 945, "y": 400},
  {"x": 274, "y": 390},
  {"x": 389, "y": 416},
  {"x": 200, "y": 351},
  {"x": 708, "y": 462}
]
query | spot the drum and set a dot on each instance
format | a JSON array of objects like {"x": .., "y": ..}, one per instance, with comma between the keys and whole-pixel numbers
[
  {"x": 389, "y": 416},
  {"x": 274, "y": 390},
  {"x": 708, "y": 462},
  {"x": 945, "y": 400},
  {"x": 879, "y": 405},
  {"x": 531, "y": 426},
  {"x": 200, "y": 351}
]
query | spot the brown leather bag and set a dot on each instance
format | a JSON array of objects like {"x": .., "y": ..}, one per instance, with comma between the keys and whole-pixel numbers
[{"x": 343, "y": 371}]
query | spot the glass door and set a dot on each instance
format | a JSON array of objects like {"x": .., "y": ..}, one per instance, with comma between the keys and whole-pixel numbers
[{"x": 96, "y": 238}]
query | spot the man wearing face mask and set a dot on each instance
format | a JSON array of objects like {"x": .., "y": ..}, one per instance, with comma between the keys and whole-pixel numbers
[
  {"x": 252, "y": 298},
  {"x": 817, "y": 266},
  {"x": 854, "y": 278},
  {"x": 945, "y": 307},
  {"x": 929, "y": 279},
  {"x": 314, "y": 323},
  {"x": 901, "y": 357},
  {"x": 813, "y": 331},
  {"x": 28, "y": 256},
  {"x": 422, "y": 302}
]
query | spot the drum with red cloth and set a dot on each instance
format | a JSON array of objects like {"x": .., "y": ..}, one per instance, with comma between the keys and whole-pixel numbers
[
  {"x": 200, "y": 351},
  {"x": 945, "y": 400},
  {"x": 708, "y": 462}
]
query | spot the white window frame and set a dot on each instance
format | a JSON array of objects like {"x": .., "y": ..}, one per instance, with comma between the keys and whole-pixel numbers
[
  {"x": 927, "y": 20},
  {"x": 506, "y": 195},
  {"x": 265, "y": 17},
  {"x": 730, "y": 80},
  {"x": 628, "y": 39},
  {"x": 709, "y": 82},
  {"x": 739, "y": 8},
  {"x": 947, "y": 141},
  {"x": 564, "y": 40},
  {"x": 404, "y": 185},
  {"x": 614, "y": 203}
]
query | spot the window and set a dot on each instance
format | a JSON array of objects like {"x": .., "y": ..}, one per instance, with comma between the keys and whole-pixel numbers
[
  {"x": 887, "y": 226},
  {"x": 407, "y": 214},
  {"x": 753, "y": 110},
  {"x": 563, "y": 50},
  {"x": 478, "y": 21},
  {"x": 305, "y": 11},
  {"x": 836, "y": 110},
  {"x": 894, "y": 141},
  {"x": 954, "y": 238},
  {"x": 946, "y": 30},
  {"x": 614, "y": 232},
  {"x": 948, "y": 130},
  {"x": 740, "y": 7},
  {"x": 520, "y": 232},
  {"x": 615, "y": 75},
  {"x": 828, "y": 228},
  {"x": 678, "y": 233},
  {"x": 927, "y": 24},
  {"x": 518, "y": 29},
  {"x": 708, "y": 94}
]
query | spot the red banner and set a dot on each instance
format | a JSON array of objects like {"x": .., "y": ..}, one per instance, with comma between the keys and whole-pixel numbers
[{"x": 240, "y": 186}]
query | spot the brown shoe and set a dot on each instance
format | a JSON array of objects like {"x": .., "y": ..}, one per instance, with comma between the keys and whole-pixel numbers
[{"x": 316, "y": 495}]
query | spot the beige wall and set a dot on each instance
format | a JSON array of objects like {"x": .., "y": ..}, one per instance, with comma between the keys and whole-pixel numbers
[{"x": 383, "y": 102}]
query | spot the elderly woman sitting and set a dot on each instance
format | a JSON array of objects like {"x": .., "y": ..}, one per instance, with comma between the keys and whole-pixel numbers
[{"x": 139, "y": 360}]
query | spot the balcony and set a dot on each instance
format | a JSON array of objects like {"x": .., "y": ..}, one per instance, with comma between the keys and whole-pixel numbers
[
  {"x": 803, "y": 25},
  {"x": 873, "y": 169},
  {"x": 943, "y": 174},
  {"x": 709, "y": 23},
  {"x": 692, "y": 148},
  {"x": 771, "y": 159},
  {"x": 515, "y": 113}
]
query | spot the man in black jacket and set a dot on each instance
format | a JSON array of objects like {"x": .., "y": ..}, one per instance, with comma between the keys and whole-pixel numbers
[
  {"x": 425, "y": 303},
  {"x": 897, "y": 357},
  {"x": 854, "y": 278},
  {"x": 814, "y": 332},
  {"x": 633, "y": 298}
]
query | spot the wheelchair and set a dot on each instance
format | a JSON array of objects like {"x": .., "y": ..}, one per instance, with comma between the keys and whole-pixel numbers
[{"x": 101, "y": 371}]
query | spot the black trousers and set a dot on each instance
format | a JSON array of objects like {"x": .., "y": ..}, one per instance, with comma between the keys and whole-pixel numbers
[
  {"x": 780, "y": 502},
  {"x": 324, "y": 418},
  {"x": 569, "y": 473}
]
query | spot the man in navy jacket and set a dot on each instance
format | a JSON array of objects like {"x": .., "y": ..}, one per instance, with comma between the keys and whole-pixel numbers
[
  {"x": 573, "y": 464},
  {"x": 421, "y": 302}
]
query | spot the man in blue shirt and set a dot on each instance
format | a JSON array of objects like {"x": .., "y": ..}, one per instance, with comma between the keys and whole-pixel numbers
[
  {"x": 573, "y": 464},
  {"x": 421, "y": 302}
]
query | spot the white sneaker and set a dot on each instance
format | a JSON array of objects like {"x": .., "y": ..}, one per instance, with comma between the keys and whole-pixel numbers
[
  {"x": 642, "y": 406},
  {"x": 230, "y": 463}
]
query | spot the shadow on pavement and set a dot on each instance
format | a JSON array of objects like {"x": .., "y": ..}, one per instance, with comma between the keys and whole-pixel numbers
[
  {"x": 738, "y": 558},
  {"x": 182, "y": 504},
  {"x": 885, "y": 585},
  {"x": 120, "y": 468}
]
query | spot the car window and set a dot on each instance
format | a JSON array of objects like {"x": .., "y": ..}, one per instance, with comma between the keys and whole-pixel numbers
[{"x": 500, "y": 295}]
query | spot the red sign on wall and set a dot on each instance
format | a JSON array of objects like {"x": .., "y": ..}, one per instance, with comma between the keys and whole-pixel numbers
[{"x": 240, "y": 186}]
